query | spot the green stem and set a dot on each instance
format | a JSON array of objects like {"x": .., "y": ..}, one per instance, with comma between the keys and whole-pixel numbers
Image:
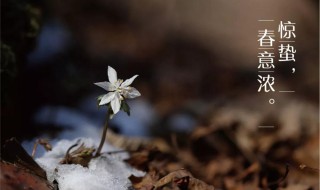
[{"x": 103, "y": 137}]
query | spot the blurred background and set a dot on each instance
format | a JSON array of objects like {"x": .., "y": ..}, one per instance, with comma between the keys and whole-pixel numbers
[
  {"x": 193, "y": 59},
  {"x": 197, "y": 65}
]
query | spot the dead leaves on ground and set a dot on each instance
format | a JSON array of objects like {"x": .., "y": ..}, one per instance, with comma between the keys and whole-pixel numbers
[
  {"x": 180, "y": 179},
  {"x": 19, "y": 170},
  {"x": 230, "y": 152},
  {"x": 16, "y": 178}
]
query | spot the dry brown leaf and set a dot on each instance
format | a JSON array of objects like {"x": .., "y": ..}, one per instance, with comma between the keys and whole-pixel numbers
[
  {"x": 308, "y": 152},
  {"x": 219, "y": 166},
  {"x": 15, "y": 178},
  {"x": 136, "y": 143},
  {"x": 142, "y": 159},
  {"x": 146, "y": 182},
  {"x": 43, "y": 142},
  {"x": 182, "y": 179},
  {"x": 14, "y": 153}
]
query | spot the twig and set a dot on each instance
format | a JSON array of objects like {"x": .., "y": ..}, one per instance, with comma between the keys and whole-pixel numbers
[
  {"x": 34, "y": 148},
  {"x": 44, "y": 142}
]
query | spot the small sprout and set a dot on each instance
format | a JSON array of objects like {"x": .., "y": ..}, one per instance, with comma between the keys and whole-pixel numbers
[{"x": 81, "y": 155}]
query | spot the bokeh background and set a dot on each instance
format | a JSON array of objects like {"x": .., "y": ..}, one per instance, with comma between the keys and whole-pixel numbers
[
  {"x": 193, "y": 58},
  {"x": 197, "y": 65}
]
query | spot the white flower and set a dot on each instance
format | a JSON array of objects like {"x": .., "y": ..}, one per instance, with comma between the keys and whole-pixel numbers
[{"x": 118, "y": 90}]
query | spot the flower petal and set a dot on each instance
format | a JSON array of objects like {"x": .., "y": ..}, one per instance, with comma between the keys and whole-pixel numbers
[
  {"x": 107, "y": 98},
  {"x": 112, "y": 75},
  {"x": 105, "y": 85},
  {"x": 128, "y": 81},
  {"x": 131, "y": 92},
  {"x": 116, "y": 103}
]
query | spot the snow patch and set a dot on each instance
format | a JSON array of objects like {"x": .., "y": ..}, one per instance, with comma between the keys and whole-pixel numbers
[{"x": 108, "y": 171}]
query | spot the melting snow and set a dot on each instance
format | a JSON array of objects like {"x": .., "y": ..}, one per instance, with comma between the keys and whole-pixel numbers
[{"x": 108, "y": 171}]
